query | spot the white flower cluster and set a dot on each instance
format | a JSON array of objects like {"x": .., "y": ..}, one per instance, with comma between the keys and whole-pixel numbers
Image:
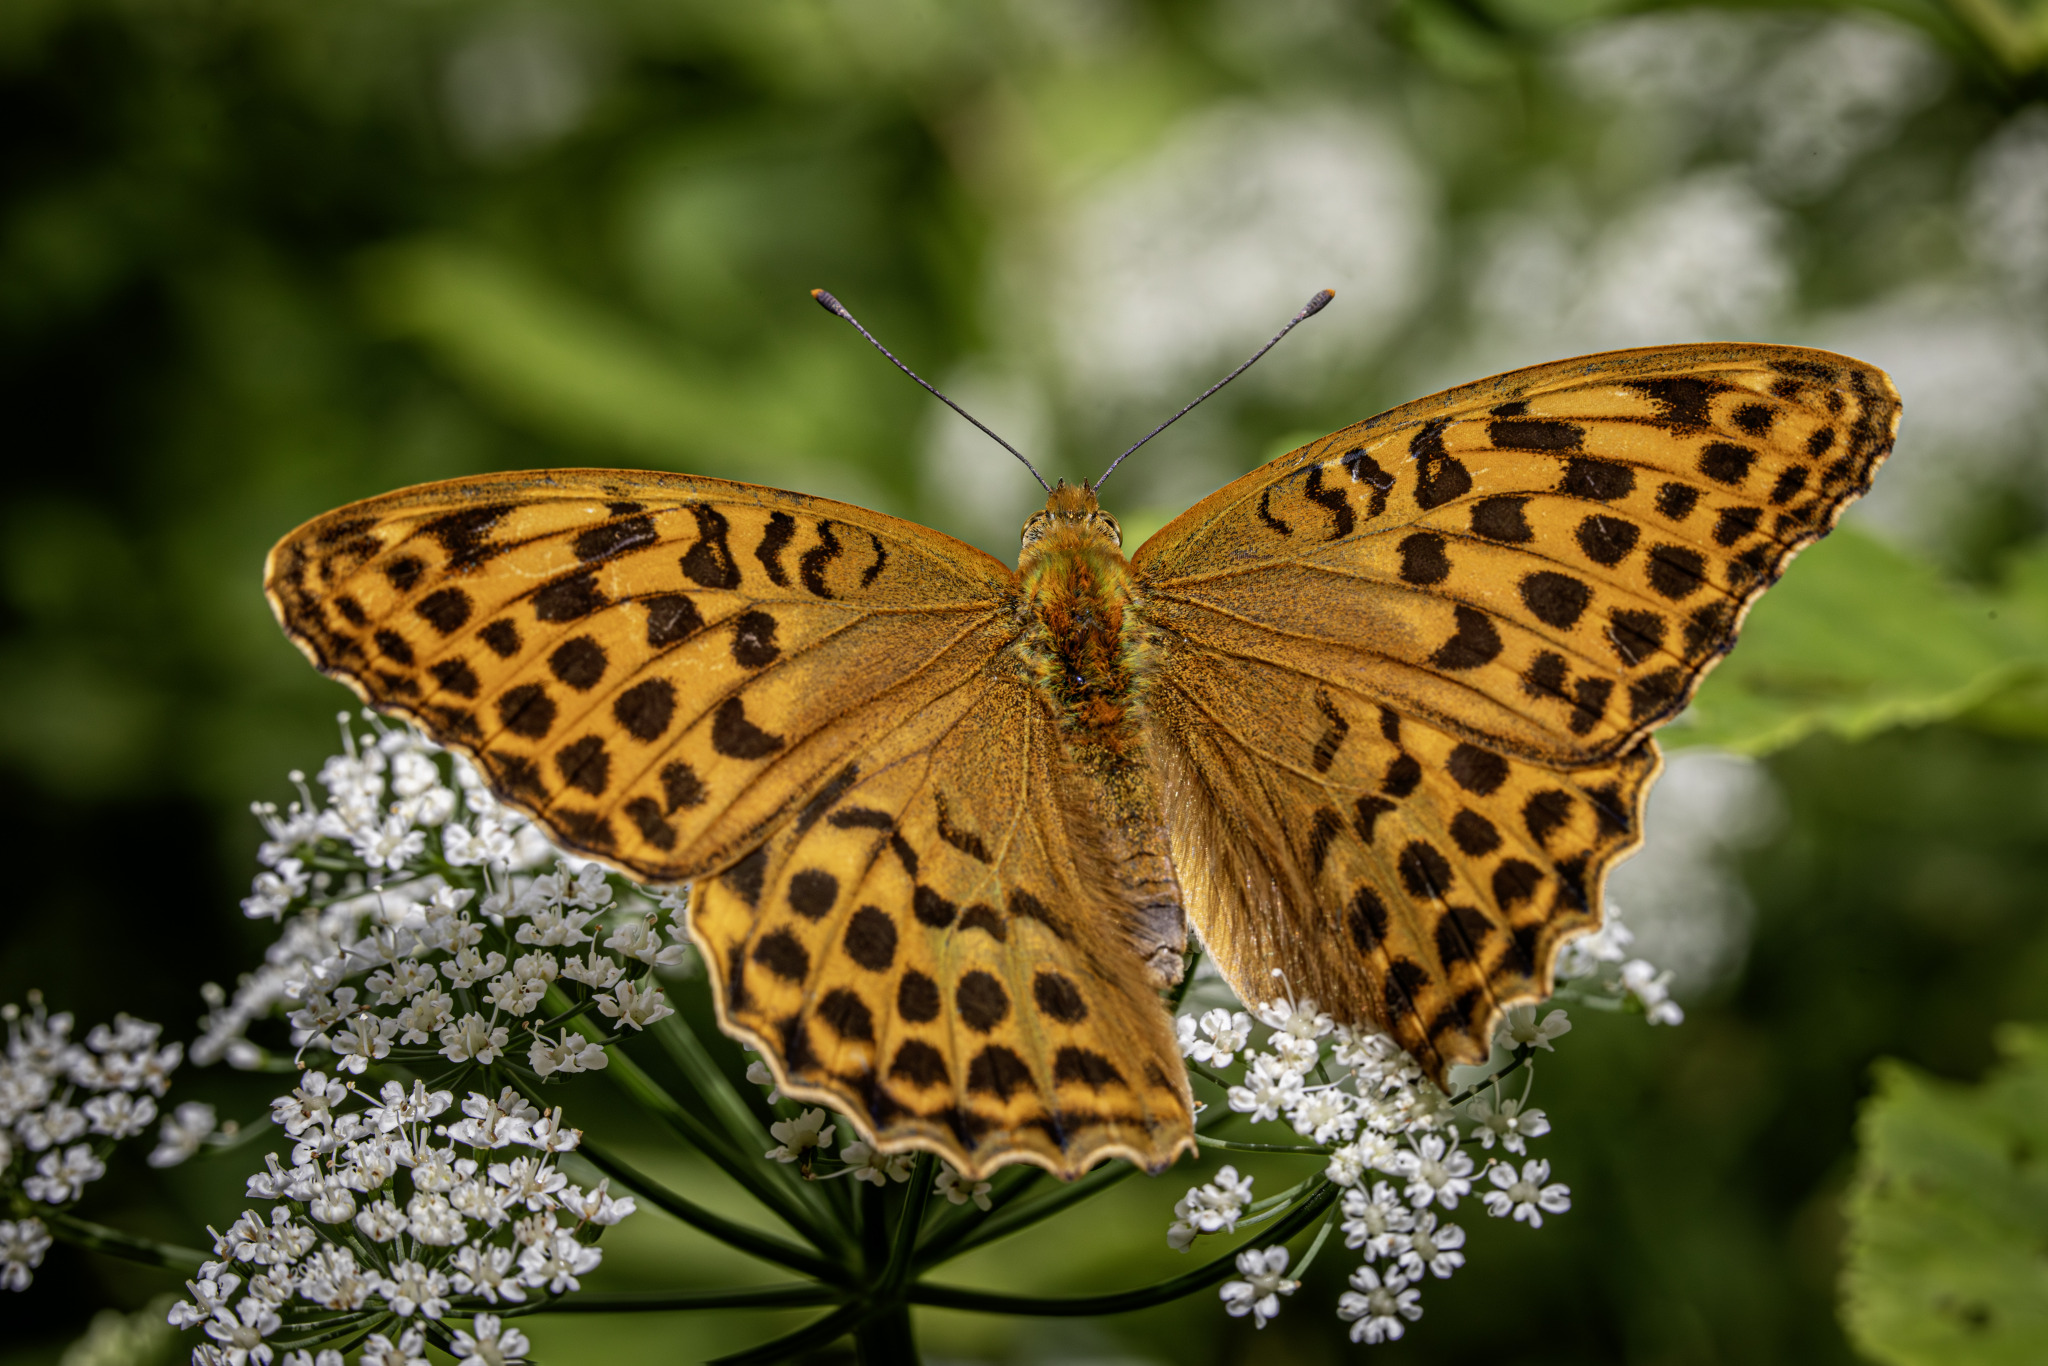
[
  {"x": 397, "y": 1209},
  {"x": 1361, "y": 1101},
  {"x": 435, "y": 926},
  {"x": 63, "y": 1107}
]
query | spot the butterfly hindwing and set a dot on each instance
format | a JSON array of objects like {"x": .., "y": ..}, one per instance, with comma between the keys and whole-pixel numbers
[
  {"x": 1381, "y": 863},
  {"x": 1520, "y": 577},
  {"x": 658, "y": 667},
  {"x": 932, "y": 951}
]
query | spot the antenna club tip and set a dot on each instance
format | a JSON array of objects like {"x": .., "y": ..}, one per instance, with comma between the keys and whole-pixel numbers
[
  {"x": 1319, "y": 303},
  {"x": 828, "y": 303}
]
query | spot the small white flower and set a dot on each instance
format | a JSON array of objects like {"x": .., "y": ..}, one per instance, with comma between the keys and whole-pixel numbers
[
  {"x": 1326, "y": 1115},
  {"x": 1376, "y": 1304},
  {"x": 380, "y": 1221},
  {"x": 486, "y": 1271},
  {"x": 22, "y": 1245},
  {"x": 241, "y": 1332},
  {"x": 1584, "y": 956},
  {"x": 810, "y": 1130},
  {"x": 1300, "y": 1019},
  {"x": 866, "y": 1163},
  {"x": 571, "y": 1053},
  {"x": 598, "y": 971},
  {"x": 556, "y": 1262},
  {"x": 1211, "y": 1208},
  {"x": 1509, "y": 1123},
  {"x": 1519, "y": 1028},
  {"x": 1270, "y": 1086},
  {"x": 391, "y": 844},
  {"x": 119, "y": 1114},
  {"x": 529, "y": 1181},
  {"x": 1376, "y": 1221},
  {"x": 1524, "y": 1194},
  {"x": 1431, "y": 1248},
  {"x": 636, "y": 1004},
  {"x": 490, "y": 1343},
  {"x": 597, "y": 1206},
  {"x": 409, "y": 1350},
  {"x": 958, "y": 1190},
  {"x": 473, "y": 1038},
  {"x": 1436, "y": 1171},
  {"x": 434, "y": 1222},
  {"x": 641, "y": 939},
  {"x": 413, "y": 1288},
  {"x": 1653, "y": 990},
  {"x": 62, "y": 1178},
  {"x": 1265, "y": 1281},
  {"x": 1221, "y": 1035}
]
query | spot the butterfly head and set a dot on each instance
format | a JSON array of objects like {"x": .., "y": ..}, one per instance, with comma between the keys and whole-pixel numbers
[{"x": 1070, "y": 520}]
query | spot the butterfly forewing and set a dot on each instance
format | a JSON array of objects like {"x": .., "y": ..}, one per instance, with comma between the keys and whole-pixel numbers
[
  {"x": 1409, "y": 669},
  {"x": 1547, "y": 561},
  {"x": 657, "y": 667},
  {"x": 929, "y": 948}
]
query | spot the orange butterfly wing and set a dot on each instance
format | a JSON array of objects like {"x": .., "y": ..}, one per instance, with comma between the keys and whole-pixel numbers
[
  {"x": 805, "y": 707},
  {"x": 1406, "y": 674}
]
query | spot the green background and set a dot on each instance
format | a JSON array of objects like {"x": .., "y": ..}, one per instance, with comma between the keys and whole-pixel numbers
[{"x": 261, "y": 258}]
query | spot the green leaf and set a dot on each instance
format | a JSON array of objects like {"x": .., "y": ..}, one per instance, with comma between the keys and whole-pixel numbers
[
  {"x": 1858, "y": 638},
  {"x": 1947, "y": 1257}
]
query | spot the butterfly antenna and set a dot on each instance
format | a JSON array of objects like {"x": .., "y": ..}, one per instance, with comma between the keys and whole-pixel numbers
[
  {"x": 1308, "y": 310},
  {"x": 832, "y": 305}
]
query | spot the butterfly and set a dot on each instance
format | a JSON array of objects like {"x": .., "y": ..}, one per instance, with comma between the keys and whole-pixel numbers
[{"x": 1375, "y": 715}]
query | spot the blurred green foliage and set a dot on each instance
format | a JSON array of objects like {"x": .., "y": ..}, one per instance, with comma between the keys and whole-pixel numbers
[
  {"x": 257, "y": 260},
  {"x": 1945, "y": 1218}
]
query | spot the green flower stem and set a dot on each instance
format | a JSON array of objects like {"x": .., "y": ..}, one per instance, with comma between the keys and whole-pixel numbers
[
  {"x": 1208, "y": 1074},
  {"x": 1235, "y": 1147},
  {"x": 727, "y": 1231},
  {"x": 629, "y": 1077},
  {"x": 817, "y": 1333},
  {"x": 1322, "y": 1236},
  {"x": 731, "y": 1110},
  {"x": 884, "y": 1337},
  {"x": 115, "y": 1243},
  {"x": 1209, "y": 1273},
  {"x": 792, "y": 1295},
  {"x": 1018, "y": 1218},
  {"x": 1522, "y": 1055},
  {"x": 910, "y": 1222}
]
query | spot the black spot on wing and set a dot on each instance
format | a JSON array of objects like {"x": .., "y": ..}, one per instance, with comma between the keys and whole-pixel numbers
[
  {"x": 810, "y": 568},
  {"x": 734, "y": 736},
  {"x": 966, "y": 841},
  {"x": 646, "y": 708},
  {"x": 1502, "y": 519},
  {"x": 1440, "y": 477},
  {"x": 1556, "y": 599},
  {"x": 1682, "y": 401},
  {"x": 447, "y": 610},
  {"x": 1535, "y": 434},
  {"x": 1266, "y": 511},
  {"x": 1333, "y": 501},
  {"x": 569, "y": 598},
  {"x": 775, "y": 539},
  {"x": 753, "y": 639},
  {"x": 708, "y": 562},
  {"x": 1475, "y": 642},
  {"x": 579, "y": 662},
  {"x": 613, "y": 538},
  {"x": 1423, "y": 561},
  {"x": 1603, "y": 481},
  {"x": 671, "y": 617}
]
